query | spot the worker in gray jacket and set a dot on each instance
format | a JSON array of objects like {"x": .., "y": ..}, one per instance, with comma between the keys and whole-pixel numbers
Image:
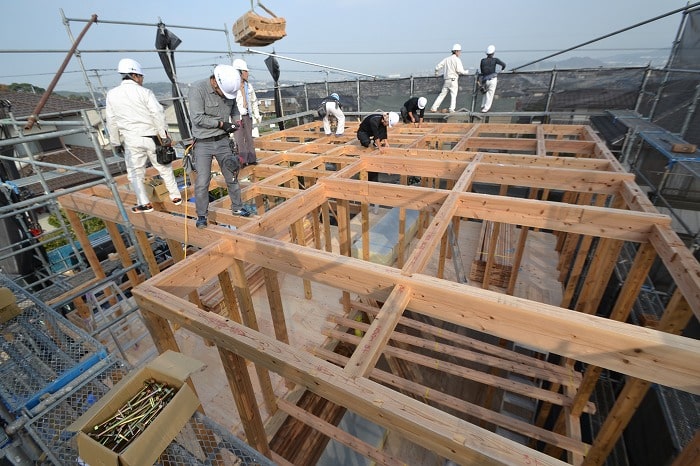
[{"x": 211, "y": 101}]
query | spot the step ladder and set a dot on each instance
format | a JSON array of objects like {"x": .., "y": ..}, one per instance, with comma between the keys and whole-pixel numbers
[
  {"x": 115, "y": 320},
  {"x": 519, "y": 406}
]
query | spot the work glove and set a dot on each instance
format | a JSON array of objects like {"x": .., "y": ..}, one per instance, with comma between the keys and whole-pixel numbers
[
  {"x": 229, "y": 127},
  {"x": 119, "y": 149}
]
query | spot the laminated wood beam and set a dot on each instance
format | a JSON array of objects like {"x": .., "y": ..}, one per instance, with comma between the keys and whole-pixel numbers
[
  {"x": 447, "y": 435},
  {"x": 595, "y": 340},
  {"x": 471, "y": 409},
  {"x": 564, "y": 179},
  {"x": 587, "y": 220},
  {"x": 340, "y": 435}
]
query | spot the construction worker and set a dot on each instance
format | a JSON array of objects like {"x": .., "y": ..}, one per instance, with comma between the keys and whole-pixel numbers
[
  {"x": 451, "y": 68},
  {"x": 488, "y": 77},
  {"x": 249, "y": 114},
  {"x": 335, "y": 109},
  {"x": 413, "y": 110},
  {"x": 211, "y": 101},
  {"x": 373, "y": 131},
  {"x": 135, "y": 120}
]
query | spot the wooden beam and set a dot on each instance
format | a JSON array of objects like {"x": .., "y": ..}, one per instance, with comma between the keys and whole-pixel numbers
[
  {"x": 339, "y": 435},
  {"x": 442, "y": 433},
  {"x": 618, "y": 346},
  {"x": 680, "y": 263},
  {"x": 377, "y": 335},
  {"x": 431, "y": 395},
  {"x": 587, "y": 220},
  {"x": 565, "y": 179}
]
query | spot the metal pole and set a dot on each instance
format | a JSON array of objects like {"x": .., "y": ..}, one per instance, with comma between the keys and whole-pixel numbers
[
  {"x": 667, "y": 75},
  {"x": 54, "y": 81},
  {"x": 608, "y": 35},
  {"x": 642, "y": 88},
  {"x": 80, "y": 61},
  {"x": 552, "y": 82},
  {"x": 54, "y": 208},
  {"x": 691, "y": 112},
  {"x": 312, "y": 64}
]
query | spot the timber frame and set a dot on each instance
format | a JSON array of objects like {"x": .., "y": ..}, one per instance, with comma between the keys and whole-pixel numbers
[{"x": 399, "y": 318}]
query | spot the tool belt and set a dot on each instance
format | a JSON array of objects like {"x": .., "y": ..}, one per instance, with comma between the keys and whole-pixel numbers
[{"x": 213, "y": 138}]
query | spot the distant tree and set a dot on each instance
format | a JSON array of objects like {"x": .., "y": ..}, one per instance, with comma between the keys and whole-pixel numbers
[{"x": 26, "y": 87}]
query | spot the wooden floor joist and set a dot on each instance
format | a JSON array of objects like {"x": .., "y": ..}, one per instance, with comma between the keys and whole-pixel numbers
[{"x": 555, "y": 182}]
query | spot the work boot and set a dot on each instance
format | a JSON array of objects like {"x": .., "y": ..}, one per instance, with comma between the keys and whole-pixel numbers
[
  {"x": 242, "y": 212},
  {"x": 201, "y": 222}
]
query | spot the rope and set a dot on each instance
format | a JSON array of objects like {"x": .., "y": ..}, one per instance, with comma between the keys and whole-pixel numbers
[{"x": 188, "y": 149}]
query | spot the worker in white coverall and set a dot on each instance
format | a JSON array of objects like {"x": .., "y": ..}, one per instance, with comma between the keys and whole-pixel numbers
[
  {"x": 451, "y": 68},
  {"x": 249, "y": 114},
  {"x": 134, "y": 117},
  {"x": 334, "y": 109}
]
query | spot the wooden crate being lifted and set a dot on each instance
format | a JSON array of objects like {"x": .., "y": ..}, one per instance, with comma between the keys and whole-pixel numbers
[{"x": 253, "y": 30}]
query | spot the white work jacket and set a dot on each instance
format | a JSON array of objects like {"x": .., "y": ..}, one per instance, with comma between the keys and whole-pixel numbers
[
  {"x": 252, "y": 100},
  {"x": 133, "y": 111},
  {"x": 451, "y": 67}
]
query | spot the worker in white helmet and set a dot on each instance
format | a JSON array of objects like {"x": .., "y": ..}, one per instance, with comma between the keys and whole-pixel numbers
[
  {"x": 211, "y": 101},
  {"x": 248, "y": 113},
  {"x": 488, "y": 77},
  {"x": 334, "y": 108},
  {"x": 373, "y": 132},
  {"x": 413, "y": 110},
  {"x": 451, "y": 68},
  {"x": 135, "y": 121}
]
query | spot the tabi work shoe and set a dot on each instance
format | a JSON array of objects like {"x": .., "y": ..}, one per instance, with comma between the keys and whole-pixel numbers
[
  {"x": 201, "y": 222},
  {"x": 142, "y": 209},
  {"x": 242, "y": 212}
]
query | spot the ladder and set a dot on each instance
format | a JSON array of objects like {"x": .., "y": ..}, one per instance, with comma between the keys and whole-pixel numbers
[{"x": 115, "y": 320}]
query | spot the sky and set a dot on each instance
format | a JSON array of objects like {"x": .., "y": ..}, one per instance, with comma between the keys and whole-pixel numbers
[{"x": 368, "y": 37}]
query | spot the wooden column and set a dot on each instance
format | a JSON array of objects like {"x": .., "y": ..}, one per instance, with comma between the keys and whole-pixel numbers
[
  {"x": 245, "y": 302},
  {"x": 123, "y": 252},
  {"x": 244, "y": 396}
]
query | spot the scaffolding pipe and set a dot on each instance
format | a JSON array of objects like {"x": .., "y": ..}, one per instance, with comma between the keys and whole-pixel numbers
[
  {"x": 678, "y": 10},
  {"x": 39, "y": 200},
  {"x": 311, "y": 63},
  {"x": 47, "y": 93}
]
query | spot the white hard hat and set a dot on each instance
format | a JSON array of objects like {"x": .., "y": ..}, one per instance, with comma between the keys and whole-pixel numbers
[
  {"x": 129, "y": 66},
  {"x": 421, "y": 102},
  {"x": 228, "y": 80},
  {"x": 490, "y": 49},
  {"x": 393, "y": 118},
  {"x": 456, "y": 47},
  {"x": 240, "y": 65}
]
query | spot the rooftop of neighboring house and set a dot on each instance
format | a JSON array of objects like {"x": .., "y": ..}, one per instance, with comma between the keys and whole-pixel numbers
[
  {"x": 24, "y": 103},
  {"x": 21, "y": 105}
]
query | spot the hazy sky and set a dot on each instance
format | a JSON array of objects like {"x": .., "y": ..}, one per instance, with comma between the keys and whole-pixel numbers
[{"x": 376, "y": 37}]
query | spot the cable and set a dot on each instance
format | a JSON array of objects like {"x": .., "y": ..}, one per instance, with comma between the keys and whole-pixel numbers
[{"x": 186, "y": 199}]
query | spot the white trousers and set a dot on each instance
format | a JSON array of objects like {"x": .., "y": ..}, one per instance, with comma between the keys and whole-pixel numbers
[
  {"x": 450, "y": 85},
  {"x": 487, "y": 98},
  {"x": 137, "y": 151},
  {"x": 333, "y": 110}
]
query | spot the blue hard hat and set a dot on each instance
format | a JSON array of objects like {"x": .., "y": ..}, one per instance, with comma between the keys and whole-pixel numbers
[{"x": 335, "y": 96}]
